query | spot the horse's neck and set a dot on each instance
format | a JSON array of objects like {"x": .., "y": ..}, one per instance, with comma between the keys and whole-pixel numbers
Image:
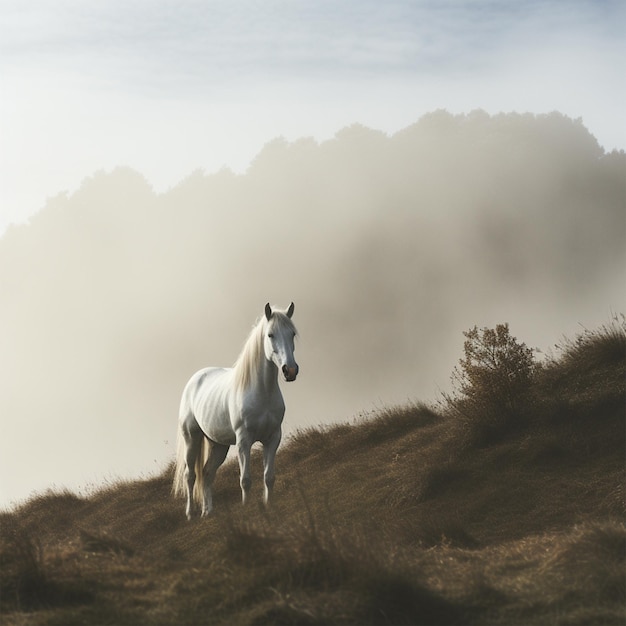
[
  {"x": 265, "y": 378},
  {"x": 257, "y": 374}
]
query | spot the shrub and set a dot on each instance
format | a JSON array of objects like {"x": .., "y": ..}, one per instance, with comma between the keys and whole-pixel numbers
[{"x": 492, "y": 380}]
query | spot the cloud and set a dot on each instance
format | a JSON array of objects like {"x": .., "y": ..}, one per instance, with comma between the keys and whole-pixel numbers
[
  {"x": 167, "y": 87},
  {"x": 164, "y": 41}
]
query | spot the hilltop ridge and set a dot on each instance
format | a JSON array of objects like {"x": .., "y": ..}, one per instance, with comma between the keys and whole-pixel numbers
[{"x": 409, "y": 515}]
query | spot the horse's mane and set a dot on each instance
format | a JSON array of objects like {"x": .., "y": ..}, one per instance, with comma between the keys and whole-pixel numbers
[{"x": 252, "y": 355}]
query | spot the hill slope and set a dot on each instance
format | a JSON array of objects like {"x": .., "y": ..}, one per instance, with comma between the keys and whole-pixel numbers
[{"x": 408, "y": 516}]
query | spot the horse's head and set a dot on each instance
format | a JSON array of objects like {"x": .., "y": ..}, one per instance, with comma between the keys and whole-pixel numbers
[{"x": 279, "y": 341}]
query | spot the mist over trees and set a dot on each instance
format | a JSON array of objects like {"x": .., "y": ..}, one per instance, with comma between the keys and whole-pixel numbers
[{"x": 390, "y": 246}]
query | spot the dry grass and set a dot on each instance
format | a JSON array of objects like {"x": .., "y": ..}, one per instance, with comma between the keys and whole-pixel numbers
[{"x": 402, "y": 517}]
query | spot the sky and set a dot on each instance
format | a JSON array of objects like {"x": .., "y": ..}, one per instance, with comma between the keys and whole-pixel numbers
[{"x": 169, "y": 87}]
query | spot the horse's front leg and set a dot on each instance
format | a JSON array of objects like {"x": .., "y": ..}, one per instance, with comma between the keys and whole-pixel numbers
[
  {"x": 243, "y": 454},
  {"x": 269, "y": 454}
]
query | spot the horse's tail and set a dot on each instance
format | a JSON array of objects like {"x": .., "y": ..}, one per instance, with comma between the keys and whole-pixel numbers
[{"x": 179, "y": 484}]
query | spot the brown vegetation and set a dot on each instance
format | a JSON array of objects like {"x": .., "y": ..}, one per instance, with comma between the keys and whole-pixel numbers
[{"x": 407, "y": 516}]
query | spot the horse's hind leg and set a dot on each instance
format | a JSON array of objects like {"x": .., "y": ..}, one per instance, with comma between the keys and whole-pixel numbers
[
  {"x": 193, "y": 436},
  {"x": 217, "y": 455}
]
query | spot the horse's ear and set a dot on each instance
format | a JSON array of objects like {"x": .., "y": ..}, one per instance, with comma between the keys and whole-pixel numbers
[
  {"x": 290, "y": 310},
  {"x": 268, "y": 311}
]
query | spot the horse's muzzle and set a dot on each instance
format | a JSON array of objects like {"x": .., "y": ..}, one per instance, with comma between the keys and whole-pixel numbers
[{"x": 290, "y": 373}]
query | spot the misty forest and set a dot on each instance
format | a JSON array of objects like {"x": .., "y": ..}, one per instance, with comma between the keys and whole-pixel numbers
[{"x": 411, "y": 488}]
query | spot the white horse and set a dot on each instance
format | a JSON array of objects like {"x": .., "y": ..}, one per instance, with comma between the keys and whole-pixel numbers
[{"x": 238, "y": 406}]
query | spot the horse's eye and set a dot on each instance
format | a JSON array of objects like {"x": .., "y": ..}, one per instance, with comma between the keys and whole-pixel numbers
[{"x": 270, "y": 335}]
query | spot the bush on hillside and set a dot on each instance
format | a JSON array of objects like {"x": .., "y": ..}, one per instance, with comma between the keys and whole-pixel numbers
[{"x": 492, "y": 381}]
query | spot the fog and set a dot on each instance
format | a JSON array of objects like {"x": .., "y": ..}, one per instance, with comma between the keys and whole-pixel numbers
[
  {"x": 165, "y": 87},
  {"x": 389, "y": 245}
]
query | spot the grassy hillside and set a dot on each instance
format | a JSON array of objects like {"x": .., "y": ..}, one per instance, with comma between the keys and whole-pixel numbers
[{"x": 413, "y": 515}]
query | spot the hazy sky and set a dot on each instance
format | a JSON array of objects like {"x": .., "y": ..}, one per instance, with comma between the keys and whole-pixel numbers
[{"x": 167, "y": 87}]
